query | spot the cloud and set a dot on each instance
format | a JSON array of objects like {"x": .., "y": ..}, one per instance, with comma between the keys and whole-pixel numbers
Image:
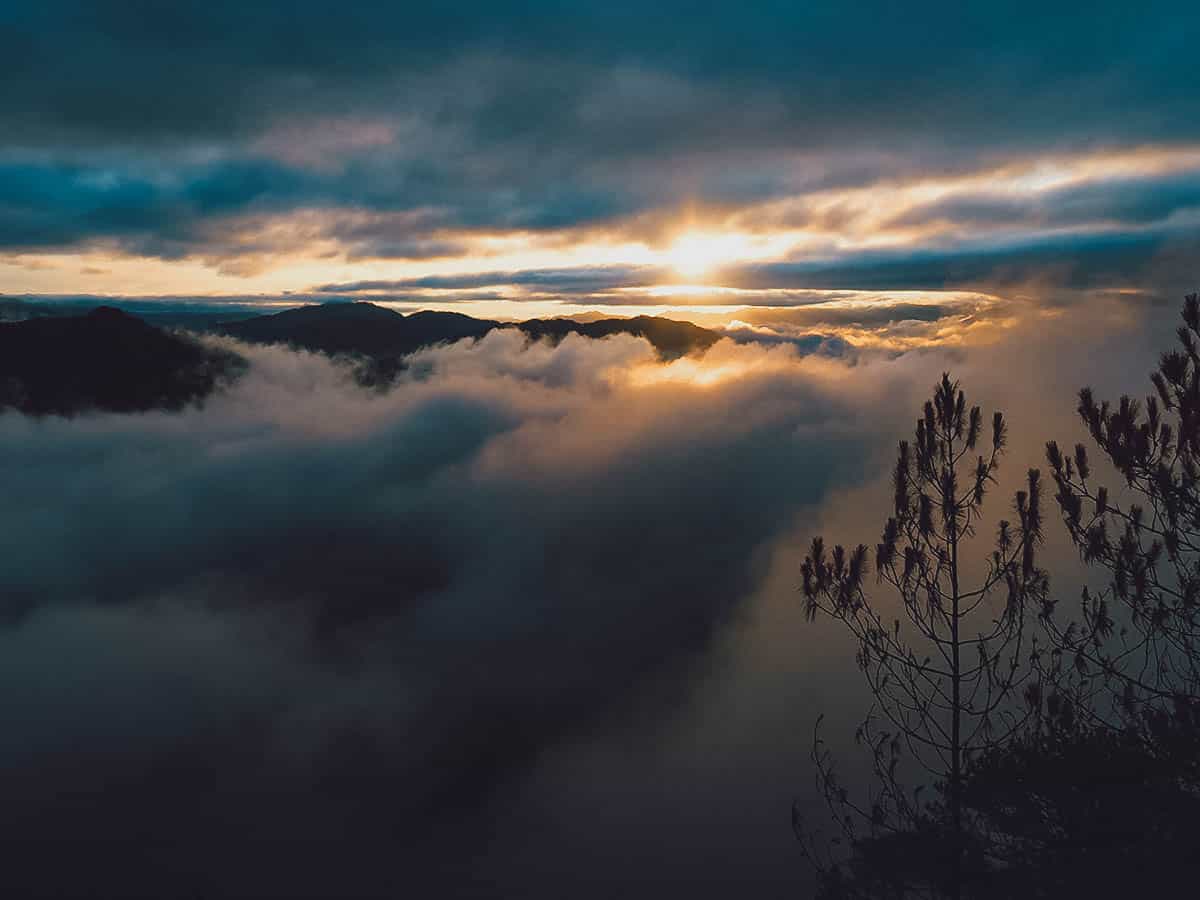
[
  {"x": 214, "y": 132},
  {"x": 529, "y": 614},
  {"x": 319, "y": 613},
  {"x": 1125, "y": 201},
  {"x": 308, "y": 57},
  {"x": 578, "y": 280},
  {"x": 1077, "y": 260}
]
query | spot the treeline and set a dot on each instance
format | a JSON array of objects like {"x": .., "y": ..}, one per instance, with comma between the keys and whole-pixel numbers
[{"x": 1023, "y": 744}]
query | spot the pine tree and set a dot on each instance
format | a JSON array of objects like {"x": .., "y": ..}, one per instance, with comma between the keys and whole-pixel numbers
[
  {"x": 944, "y": 661},
  {"x": 1129, "y": 659}
]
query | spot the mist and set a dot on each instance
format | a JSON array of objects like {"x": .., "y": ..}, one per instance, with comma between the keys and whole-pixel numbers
[{"x": 526, "y": 619}]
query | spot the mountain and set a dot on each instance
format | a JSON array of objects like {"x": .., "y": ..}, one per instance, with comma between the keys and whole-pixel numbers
[
  {"x": 383, "y": 334},
  {"x": 668, "y": 336},
  {"x": 105, "y": 359},
  {"x": 358, "y": 328},
  {"x": 13, "y": 309},
  {"x": 189, "y": 313}
]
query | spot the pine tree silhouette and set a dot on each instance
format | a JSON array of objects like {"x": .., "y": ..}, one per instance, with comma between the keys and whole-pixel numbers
[{"x": 946, "y": 671}]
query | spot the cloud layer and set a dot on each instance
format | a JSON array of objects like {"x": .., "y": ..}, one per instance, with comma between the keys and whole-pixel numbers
[
  {"x": 308, "y": 612},
  {"x": 860, "y": 148}
]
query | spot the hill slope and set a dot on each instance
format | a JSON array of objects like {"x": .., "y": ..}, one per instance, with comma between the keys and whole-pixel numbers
[{"x": 106, "y": 360}]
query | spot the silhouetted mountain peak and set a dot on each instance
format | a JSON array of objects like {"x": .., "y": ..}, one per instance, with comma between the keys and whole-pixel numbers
[
  {"x": 359, "y": 309},
  {"x": 110, "y": 314},
  {"x": 359, "y": 328},
  {"x": 435, "y": 315}
]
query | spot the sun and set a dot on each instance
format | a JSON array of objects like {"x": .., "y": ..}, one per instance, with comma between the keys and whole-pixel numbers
[{"x": 695, "y": 254}]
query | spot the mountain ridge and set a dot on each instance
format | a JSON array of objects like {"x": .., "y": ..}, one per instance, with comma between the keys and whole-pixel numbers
[
  {"x": 109, "y": 359},
  {"x": 380, "y": 333}
]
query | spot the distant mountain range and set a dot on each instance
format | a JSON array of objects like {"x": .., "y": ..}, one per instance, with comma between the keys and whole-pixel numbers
[
  {"x": 53, "y": 363},
  {"x": 105, "y": 359},
  {"x": 384, "y": 334}
]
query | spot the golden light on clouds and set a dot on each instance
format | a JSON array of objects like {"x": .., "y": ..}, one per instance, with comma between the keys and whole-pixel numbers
[
  {"x": 694, "y": 255},
  {"x": 723, "y": 363},
  {"x": 677, "y": 265}
]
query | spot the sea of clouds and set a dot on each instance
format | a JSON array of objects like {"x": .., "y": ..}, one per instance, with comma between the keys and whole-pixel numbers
[{"x": 409, "y": 629}]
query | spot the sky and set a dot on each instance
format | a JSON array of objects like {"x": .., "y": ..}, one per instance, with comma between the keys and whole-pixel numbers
[
  {"x": 533, "y": 158},
  {"x": 527, "y": 622}
]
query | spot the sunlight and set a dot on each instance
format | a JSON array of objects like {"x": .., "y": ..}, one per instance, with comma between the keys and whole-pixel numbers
[
  {"x": 696, "y": 373},
  {"x": 695, "y": 254},
  {"x": 719, "y": 365}
]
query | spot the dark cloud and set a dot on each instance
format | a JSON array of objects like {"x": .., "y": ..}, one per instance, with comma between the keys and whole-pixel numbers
[
  {"x": 52, "y": 205},
  {"x": 584, "y": 279},
  {"x": 155, "y": 127},
  {"x": 1078, "y": 260},
  {"x": 126, "y": 69},
  {"x": 1128, "y": 201},
  {"x": 219, "y": 209}
]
